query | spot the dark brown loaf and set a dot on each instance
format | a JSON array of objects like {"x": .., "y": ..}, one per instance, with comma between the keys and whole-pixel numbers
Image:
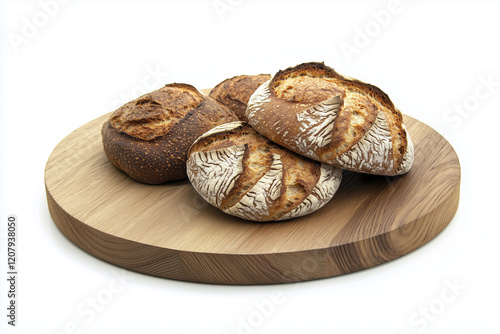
[
  {"x": 235, "y": 92},
  {"x": 246, "y": 175},
  {"x": 316, "y": 112},
  {"x": 149, "y": 137}
]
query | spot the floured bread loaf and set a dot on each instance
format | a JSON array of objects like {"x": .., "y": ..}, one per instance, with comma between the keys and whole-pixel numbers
[
  {"x": 235, "y": 92},
  {"x": 248, "y": 176},
  {"x": 149, "y": 137},
  {"x": 314, "y": 111}
]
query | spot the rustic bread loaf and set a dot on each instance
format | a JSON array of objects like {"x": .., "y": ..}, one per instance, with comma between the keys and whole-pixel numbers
[
  {"x": 149, "y": 137},
  {"x": 246, "y": 175},
  {"x": 235, "y": 92},
  {"x": 314, "y": 111}
]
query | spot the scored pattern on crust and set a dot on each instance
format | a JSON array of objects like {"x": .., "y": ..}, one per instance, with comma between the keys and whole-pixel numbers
[
  {"x": 256, "y": 202},
  {"x": 214, "y": 173},
  {"x": 259, "y": 98},
  {"x": 322, "y": 192},
  {"x": 373, "y": 152},
  {"x": 152, "y": 115},
  {"x": 316, "y": 125},
  {"x": 265, "y": 182},
  {"x": 366, "y": 118}
]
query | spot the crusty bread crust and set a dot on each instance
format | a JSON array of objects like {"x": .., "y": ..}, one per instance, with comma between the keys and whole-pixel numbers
[
  {"x": 154, "y": 114},
  {"x": 152, "y": 134},
  {"x": 314, "y": 111},
  {"x": 236, "y": 91},
  {"x": 246, "y": 175}
]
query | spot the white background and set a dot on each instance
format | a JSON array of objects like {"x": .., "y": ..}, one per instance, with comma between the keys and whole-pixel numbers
[{"x": 64, "y": 64}]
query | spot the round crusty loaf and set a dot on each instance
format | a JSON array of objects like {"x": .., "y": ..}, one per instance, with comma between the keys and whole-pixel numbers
[
  {"x": 149, "y": 137},
  {"x": 235, "y": 92},
  {"x": 314, "y": 111},
  {"x": 246, "y": 175}
]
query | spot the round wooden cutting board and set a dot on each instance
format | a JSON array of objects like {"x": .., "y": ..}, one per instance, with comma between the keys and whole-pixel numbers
[{"x": 170, "y": 231}]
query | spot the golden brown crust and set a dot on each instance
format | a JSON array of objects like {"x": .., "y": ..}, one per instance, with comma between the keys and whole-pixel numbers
[
  {"x": 347, "y": 133},
  {"x": 301, "y": 84},
  {"x": 294, "y": 90},
  {"x": 236, "y": 91},
  {"x": 161, "y": 158},
  {"x": 154, "y": 114},
  {"x": 298, "y": 176}
]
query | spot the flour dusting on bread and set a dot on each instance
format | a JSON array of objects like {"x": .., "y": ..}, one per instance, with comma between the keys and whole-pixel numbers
[
  {"x": 258, "y": 200},
  {"x": 361, "y": 131},
  {"x": 246, "y": 175},
  {"x": 216, "y": 171},
  {"x": 373, "y": 152},
  {"x": 316, "y": 124}
]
